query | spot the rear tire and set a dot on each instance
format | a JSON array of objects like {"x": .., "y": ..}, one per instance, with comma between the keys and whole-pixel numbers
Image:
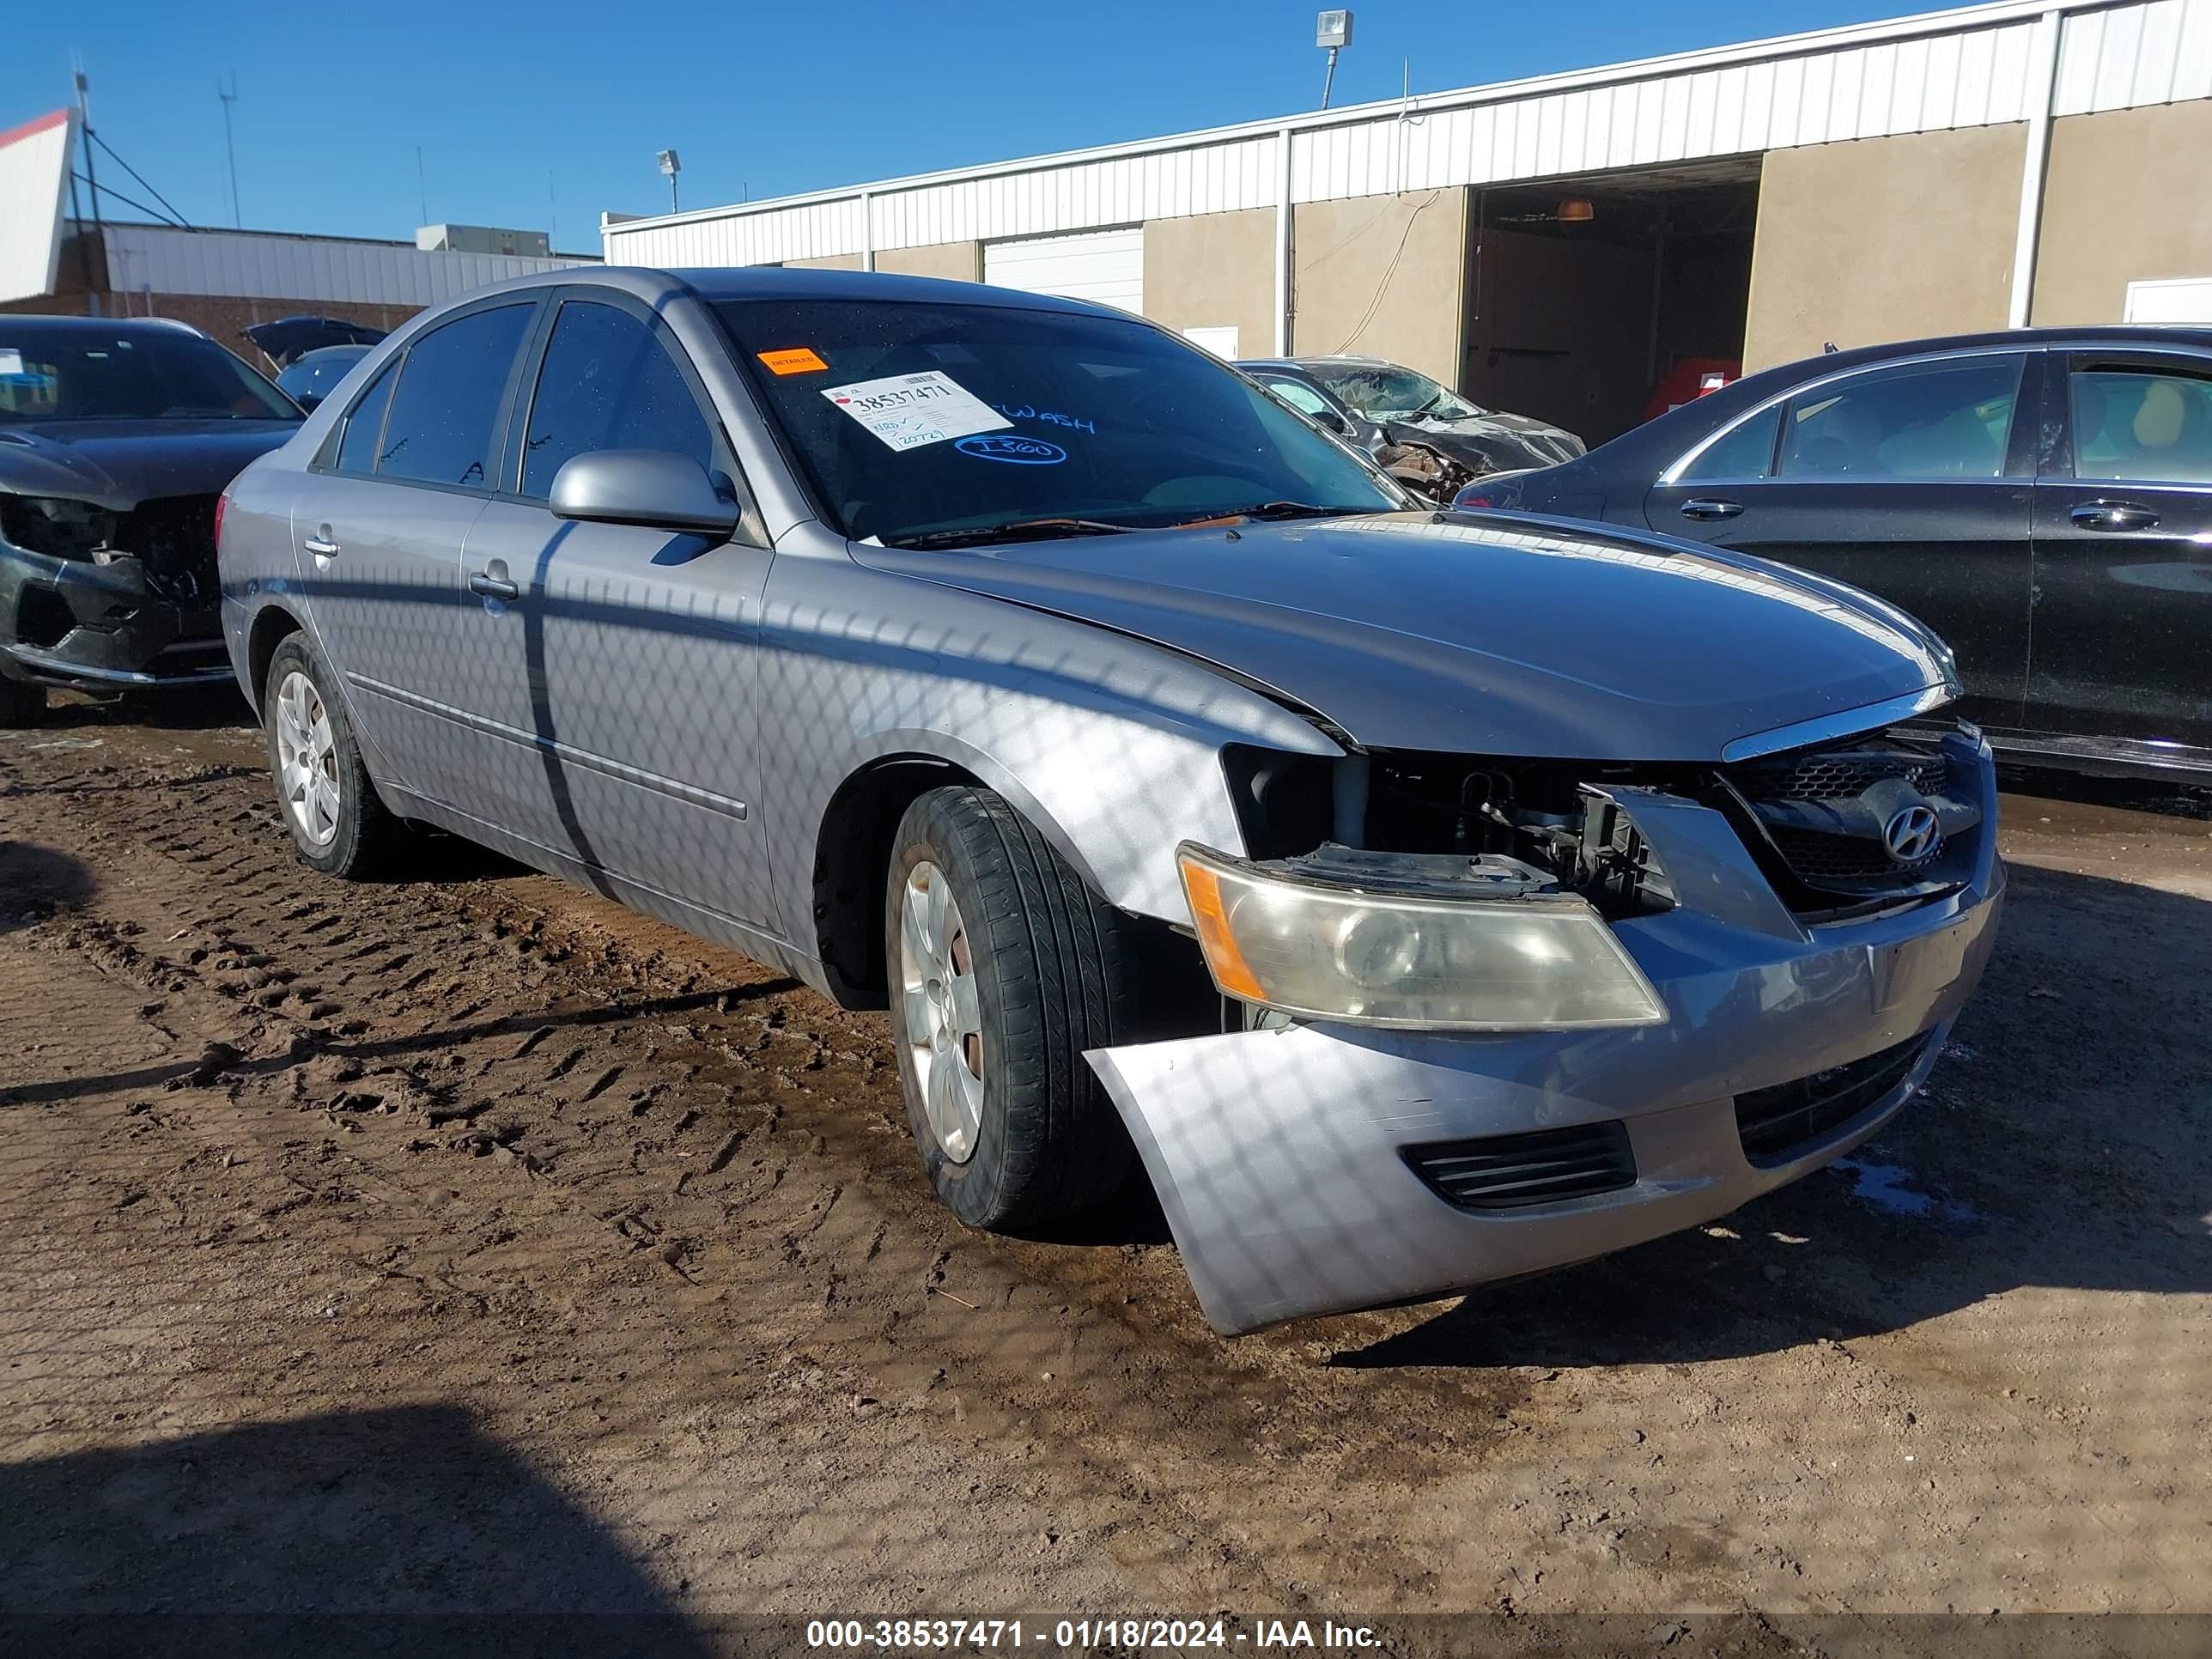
[
  {"x": 21, "y": 704},
  {"x": 336, "y": 823},
  {"x": 1027, "y": 969}
]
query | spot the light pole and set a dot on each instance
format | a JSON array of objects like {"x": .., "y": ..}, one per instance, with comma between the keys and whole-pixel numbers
[
  {"x": 230, "y": 97},
  {"x": 1333, "y": 29},
  {"x": 671, "y": 164}
]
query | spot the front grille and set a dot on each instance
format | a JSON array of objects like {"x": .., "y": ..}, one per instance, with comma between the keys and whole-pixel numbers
[
  {"x": 1818, "y": 858},
  {"x": 1508, "y": 1172},
  {"x": 1777, "y": 1124},
  {"x": 1817, "y": 820},
  {"x": 1836, "y": 774}
]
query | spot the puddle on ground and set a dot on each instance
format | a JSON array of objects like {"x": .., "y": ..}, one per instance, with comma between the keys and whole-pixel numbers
[{"x": 1887, "y": 1187}]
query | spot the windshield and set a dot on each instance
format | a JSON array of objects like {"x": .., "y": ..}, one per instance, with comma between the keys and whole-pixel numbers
[
  {"x": 103, "y": 373},
  {"x": 925, "y": 421},
  {"x": 1383, "y": 391}
]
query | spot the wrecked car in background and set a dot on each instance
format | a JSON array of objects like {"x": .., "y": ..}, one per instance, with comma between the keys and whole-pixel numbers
[
  {"x": 116, "y": 440},
  {"x": 1420, "y": 899},
  {"x": 1421, "y": 432}
]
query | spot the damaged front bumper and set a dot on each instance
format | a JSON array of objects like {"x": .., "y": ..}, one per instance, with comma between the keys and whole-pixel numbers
[
  {"x": 1322, "y": 1167},
  {"x": 92, "y": 625}
]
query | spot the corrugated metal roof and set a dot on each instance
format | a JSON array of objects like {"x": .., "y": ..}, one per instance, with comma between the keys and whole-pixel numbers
[
  {"x": 156, "y": 259},
  {"x": 1956, "y": 69}
]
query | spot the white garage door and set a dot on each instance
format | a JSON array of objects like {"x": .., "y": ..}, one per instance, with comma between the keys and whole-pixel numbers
[{"x": 1106, "y": 267}]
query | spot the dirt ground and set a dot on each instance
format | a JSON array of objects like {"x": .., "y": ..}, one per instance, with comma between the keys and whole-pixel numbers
[{"x": 465, "y": 1245}]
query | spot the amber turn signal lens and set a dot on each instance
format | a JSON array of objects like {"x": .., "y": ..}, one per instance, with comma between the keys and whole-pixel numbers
[{"x": 1203, "y": 888}]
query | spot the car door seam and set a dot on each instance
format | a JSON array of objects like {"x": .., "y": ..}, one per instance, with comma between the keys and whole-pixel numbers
[{"x": 691, "y": 794}]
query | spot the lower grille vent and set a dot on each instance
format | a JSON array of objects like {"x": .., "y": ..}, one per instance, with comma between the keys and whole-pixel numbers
[
  {"x": 1777, "y": 1124},
  {"x": 1507, "y": 1172}
]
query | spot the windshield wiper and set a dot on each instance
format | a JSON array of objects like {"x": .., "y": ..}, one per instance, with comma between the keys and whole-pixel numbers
[
  {"x": 1274, "y": 510},
  {"x": 1014, "y": 530}
]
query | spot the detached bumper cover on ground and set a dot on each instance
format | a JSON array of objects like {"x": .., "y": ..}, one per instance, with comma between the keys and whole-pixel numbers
[{"x": 1304, "y": 1171}]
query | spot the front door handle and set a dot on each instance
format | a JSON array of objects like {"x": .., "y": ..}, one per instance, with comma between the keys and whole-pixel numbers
[
  {"x": 493, "y": 588},
  {"x": 1708, "y": 509},
  {"x": 2113, "y": 515},
  {"x": 321, "y": 546}
]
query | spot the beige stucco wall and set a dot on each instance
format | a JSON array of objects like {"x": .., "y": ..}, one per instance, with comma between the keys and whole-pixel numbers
[
  {"x": 1883, "y": 239},
  {"x": 826, "y": 262},
  {"x": 1214, "y": 270},
  {"x": 962, "y": 262},
  {"x": 1358, "y": 291},
  {"x": 2125, "y": 199}
]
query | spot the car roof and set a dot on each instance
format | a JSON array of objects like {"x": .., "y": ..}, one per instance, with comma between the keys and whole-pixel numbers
[
  {"x": 1660, "y": 440},
  {"x": 783, "y": 283},
  {"x": 1331, "y": 358},
  {"x": 29, "y": 323}
]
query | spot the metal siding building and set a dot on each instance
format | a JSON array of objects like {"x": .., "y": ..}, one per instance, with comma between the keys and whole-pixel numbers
[
  {"x": 1892, "y": 108},
  {"x": 1971, "y": 67},
  {"x": 158, "y": 259}
]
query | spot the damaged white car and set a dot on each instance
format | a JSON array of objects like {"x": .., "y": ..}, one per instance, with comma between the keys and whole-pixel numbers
[{"x": 1416, "y": 900}]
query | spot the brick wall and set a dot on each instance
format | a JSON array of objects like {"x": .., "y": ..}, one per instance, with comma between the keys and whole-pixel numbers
[{"x": 219, "y": 316}]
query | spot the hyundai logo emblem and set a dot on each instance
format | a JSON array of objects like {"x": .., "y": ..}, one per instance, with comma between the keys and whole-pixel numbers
[{"x": 1911, "y": 834}]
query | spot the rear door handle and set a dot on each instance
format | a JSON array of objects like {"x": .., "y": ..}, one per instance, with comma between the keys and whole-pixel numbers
[
  {"x": 1708, "y": 509},
  {"x": 321, "y": 546},
  {"x": 493, "y": 588},
  {"x": 2113, "y": 515}
]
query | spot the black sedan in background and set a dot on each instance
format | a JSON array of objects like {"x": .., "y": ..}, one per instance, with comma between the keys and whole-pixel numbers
[
  {"x": 117, "y": 438},
  {"x": 2041, "y": 498}
]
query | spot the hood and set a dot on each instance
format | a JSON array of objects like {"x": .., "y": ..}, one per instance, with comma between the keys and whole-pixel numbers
[
  {"x": 1492, "y": 442},
  {"x": 118, "y": 464},
  {"x": 1497, "y": 634}
]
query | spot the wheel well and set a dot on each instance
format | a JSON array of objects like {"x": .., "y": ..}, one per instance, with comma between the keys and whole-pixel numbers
[
  {"x": 852, "y": 851},
  {"x": 271, "y": 627}
]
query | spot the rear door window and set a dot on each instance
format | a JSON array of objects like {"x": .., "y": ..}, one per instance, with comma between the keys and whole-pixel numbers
[
  {"x": 444, "y": 410},
  {"x": 364, "y": 423},
  {"x": 1950, "y": 420},
  {"x": 2144, "y": 425}
]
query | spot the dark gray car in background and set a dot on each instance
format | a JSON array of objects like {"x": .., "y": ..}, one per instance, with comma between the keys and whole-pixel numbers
[
  {"x": 1424, "y": 435},
  {"x": 1418, "y": 901},
  {"x": 117, "y": 437}
]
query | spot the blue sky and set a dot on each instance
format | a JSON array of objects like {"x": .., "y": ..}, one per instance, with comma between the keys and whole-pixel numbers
[{"x": 543, "y": 114}]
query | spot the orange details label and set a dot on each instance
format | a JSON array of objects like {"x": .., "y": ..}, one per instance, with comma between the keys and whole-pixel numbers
[{"x": 798, "y": 360}]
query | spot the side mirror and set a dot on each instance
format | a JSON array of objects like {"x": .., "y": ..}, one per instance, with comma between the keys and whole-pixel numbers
[
  {"x": 308, "y": 401},
  {"x": 654, "y": 487},
  {"x": 1334, "y": 421}
]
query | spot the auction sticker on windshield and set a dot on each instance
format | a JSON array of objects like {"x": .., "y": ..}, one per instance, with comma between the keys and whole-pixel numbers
[{"x": 908, "y": 410}]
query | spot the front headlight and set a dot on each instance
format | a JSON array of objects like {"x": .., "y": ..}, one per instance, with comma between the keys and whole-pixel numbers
[
  {"x": 1544, "y": 962},
  {"x": 55, "y": 525}
]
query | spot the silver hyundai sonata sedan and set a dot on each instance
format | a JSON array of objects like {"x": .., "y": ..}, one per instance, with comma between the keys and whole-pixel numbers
[{"x": 1419, "y": 899}]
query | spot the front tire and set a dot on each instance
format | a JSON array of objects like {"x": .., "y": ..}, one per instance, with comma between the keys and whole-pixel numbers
[
  {"x": 1004, "y": 967},
  {"x": 336, "y": 823}
]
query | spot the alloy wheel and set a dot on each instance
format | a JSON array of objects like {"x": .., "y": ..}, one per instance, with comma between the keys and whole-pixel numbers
[
  {"x": 306, "y": 760},
  {"x": 944, "y": 1016}
]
